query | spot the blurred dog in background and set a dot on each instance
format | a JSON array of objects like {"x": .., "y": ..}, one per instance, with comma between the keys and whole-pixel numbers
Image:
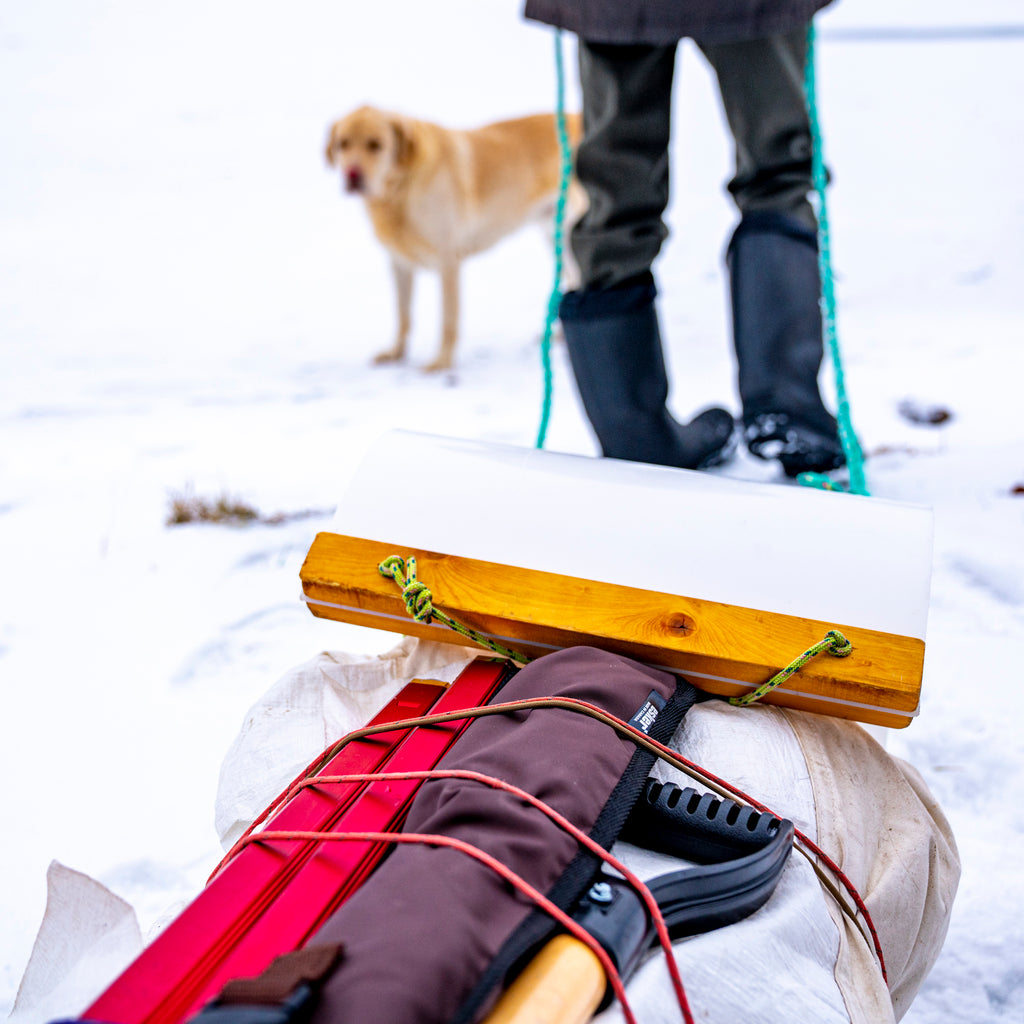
[{"x": 436, "y": 196}]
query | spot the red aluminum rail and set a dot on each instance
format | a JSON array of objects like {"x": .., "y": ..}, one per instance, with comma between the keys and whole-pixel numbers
[{"x": 271, "y": 897}]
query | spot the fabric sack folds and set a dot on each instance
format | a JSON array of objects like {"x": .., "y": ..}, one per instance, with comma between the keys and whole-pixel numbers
[{"x": 868, "y": 809}]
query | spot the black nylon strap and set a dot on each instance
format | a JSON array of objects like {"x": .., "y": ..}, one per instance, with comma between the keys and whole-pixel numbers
[{"x": 573, "y": 882}]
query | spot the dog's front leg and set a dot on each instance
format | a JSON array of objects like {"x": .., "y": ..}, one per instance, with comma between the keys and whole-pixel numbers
[
  {"x": 403, "y": 276},
  {"x": 449, "y": 317}
]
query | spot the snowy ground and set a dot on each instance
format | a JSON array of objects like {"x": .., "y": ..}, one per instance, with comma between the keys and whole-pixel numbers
[{"x": 188, "y": 302}]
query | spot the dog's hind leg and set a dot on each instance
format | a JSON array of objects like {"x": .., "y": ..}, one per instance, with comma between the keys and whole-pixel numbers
[
  {"x": 403, "y": 276},
  {"x": 449, "y": 318},
  {"x": 575, "y": 206}
]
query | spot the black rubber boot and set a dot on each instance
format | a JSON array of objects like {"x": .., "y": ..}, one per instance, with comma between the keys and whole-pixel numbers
[
  {"x": 777, "y": 331},
  {"x": 617, "y": 358}
]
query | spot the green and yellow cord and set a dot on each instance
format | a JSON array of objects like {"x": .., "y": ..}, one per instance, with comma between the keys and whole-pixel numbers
[
  {"x": 834, "y": 642},
  {"x": 419, "y": 603}
]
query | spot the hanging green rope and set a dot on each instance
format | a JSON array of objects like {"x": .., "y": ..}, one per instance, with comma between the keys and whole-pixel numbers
[
  {"x": 847, "y": 437},
  {"x": 419, "y": 603},
  {"x": 555, "y": 297},
  {"x": 835, "y": 643}
]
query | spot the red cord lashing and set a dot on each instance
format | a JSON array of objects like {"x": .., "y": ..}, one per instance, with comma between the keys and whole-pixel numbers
[
  {"x": 653, "y": 910},
  {"x": 516, "y": 881},
  {"x": 579, "y": 707}
]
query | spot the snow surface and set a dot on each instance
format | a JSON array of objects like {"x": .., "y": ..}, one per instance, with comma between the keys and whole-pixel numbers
[{"x": 186, "y": 301}]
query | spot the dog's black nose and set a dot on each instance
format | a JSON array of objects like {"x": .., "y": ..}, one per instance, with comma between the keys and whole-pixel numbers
[{"x": 354, "y": 180}]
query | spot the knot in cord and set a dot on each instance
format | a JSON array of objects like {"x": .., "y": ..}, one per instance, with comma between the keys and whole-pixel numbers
[
  {"x": 839, "y": 646},
  {"x": 419, "y": 602}
]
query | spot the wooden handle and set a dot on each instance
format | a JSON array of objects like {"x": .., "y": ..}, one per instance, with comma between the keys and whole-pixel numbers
[{"x": 563, "y": 984}]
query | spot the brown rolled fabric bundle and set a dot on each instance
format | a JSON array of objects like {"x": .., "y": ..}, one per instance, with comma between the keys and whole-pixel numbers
[{"x": 430, "y": 936}]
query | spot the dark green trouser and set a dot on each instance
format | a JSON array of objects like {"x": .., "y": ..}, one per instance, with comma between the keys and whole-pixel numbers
[{"x": 623, "y": 160}]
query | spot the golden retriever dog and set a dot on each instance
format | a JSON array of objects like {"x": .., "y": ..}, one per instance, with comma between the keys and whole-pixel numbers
[{"x": 436, "y": 196}]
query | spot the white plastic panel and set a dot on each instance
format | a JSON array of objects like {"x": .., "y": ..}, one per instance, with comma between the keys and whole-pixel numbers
[{"x": 824, "y": 555}]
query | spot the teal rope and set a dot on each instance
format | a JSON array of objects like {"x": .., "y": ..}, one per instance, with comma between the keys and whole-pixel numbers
[
  {"x": 847, "y": 437},
  {"x": 555, "y": 297},
  {"x": 419, "y": 603},
  {"x": 834, "y": 642}
]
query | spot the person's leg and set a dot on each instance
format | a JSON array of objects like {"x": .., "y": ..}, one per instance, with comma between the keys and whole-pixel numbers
[
  {"x": 610, "y": 323},
  {"x": 773, "y": 254},
  {"x": 761, "y": 82},
  {"x": 622, "y": 161}
]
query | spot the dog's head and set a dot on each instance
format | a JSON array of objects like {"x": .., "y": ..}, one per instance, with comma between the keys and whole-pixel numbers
[{"x": 370, "y": 147}]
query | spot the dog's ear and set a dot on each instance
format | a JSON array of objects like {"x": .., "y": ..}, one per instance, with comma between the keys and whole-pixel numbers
[
  {"x": 405, "y": 144},
  {"x": 331, "y": 150}
]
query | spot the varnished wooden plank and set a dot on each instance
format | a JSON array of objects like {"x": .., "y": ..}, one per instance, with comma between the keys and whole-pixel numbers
[{"x": 722, "y": 648}]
